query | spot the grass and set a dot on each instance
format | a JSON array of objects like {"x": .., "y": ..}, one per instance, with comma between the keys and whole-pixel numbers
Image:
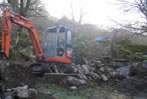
[{"x": 82, "y": 93}]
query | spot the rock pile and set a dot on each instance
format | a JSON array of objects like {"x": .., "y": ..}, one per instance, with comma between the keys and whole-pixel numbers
[
  {"x": 99, "y": 71},
  {"x": 133, "y": 76}
]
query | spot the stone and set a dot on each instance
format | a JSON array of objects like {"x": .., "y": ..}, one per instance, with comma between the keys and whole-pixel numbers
[
  {"x": 85, "y": 69},
  {"x": 113, "y": 74},
  {"x": 8, "y": 97},
  {"x": 104, "y": 77},
  {"x": 82, "y": 76},
  {"x": 102, "y": 69},
  {"x": 21, "y": 92},
  {"x": 101, "y": 65},
  {"x": 123, "y": 71},
  {"x": 24, "y": 92},
  {"x": 144, "y": 64},
  {"x": 49, "y": 93},
  {"x": 73, "y": 88},
  {"x": 74, "y": 81},
  {"x": 94, "y": 75}
]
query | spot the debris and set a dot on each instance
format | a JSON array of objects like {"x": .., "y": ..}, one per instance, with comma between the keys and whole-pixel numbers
[
  {"x": 85, "y": 69},
  {"x": 72, "y": 81},
  {"x": 94, "y": 76},
  {"x": 24, "y": 92},
  {"x": 104, "y": 77}
]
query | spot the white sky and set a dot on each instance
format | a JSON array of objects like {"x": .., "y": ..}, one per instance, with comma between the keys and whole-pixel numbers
[{"x": 99, "y": 12}]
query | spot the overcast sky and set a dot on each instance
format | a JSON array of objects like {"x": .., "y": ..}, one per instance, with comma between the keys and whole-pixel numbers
[{"x": 99, "y": 12}]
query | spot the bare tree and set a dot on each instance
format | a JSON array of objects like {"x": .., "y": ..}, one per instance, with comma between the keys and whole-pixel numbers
[
  {"x": 141, "y": 7},
  {"x": 72, "y": 12},
  {"x": 81, "y": 13},
  {"x": 28, "y": 8}
]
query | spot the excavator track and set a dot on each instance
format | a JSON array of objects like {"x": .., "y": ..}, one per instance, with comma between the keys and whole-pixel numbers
[
  {"x": 38, "y": 69},
  {"x": 51, "y": 69}
]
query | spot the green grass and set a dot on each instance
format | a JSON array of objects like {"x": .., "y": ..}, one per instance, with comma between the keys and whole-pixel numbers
[{"x": 82, "y": 93}]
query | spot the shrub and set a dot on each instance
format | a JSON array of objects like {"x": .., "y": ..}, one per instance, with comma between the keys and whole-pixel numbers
[{"x": 123, "y": 49}]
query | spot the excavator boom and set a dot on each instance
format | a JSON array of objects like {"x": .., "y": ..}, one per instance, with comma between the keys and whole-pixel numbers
[
  {"x": 10, "y": 17},
  {"x": 60, "y": 50}
]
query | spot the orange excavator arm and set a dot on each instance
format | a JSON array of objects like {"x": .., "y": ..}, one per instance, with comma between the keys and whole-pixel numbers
[{"x": 10, "y": 17}]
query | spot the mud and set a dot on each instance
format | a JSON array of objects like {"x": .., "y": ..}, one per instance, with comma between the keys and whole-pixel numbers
[{"x": 17, "y": 75}]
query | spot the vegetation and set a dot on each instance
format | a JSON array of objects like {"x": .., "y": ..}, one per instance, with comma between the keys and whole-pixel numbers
[
  {"x": 122, "y": 49},
  {"x": 80, "y": 51},
  {"x": 24, "y": 50},
  {"x": 83, "y": 92}
]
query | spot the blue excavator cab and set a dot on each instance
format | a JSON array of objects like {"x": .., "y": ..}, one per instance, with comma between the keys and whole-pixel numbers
[{"x": 56, "y": 41}]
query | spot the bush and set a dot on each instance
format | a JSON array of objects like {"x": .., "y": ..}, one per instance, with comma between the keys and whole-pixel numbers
[
  {"x": 80, "y": 51},
  {"x": 123, "y": 49}
]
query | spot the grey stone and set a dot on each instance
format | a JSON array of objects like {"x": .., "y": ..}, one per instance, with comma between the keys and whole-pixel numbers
[
  {"x": 102, "y": 69},
  {"x": 24, "y": 92},
  {"x": 123, "y": 71},
  {"x": 74, "y": 81},
  {"x": 73, "y": 88},
  {"x": 94, "y": 75},
  {"x": 82, "y": 76},
  {"x": 8, "y": 97},
  {"x": 104, "y": 77},
  {"x": 85, "y": 69},
  {"x": 113, "y": 74}
]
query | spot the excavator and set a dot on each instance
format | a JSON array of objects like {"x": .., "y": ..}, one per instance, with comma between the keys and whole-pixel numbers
[{"x": 54, "y": 48}]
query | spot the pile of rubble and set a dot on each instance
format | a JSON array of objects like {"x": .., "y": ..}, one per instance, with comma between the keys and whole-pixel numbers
[
  {"x": 98, "y": 71},
  {"x": 91, "y": 68},
  {"x": 98, "y": 65},
  {"x": 119, "y": 69}
]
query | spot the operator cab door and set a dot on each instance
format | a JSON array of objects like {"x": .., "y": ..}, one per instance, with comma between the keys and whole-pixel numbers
[
  {"x": 56, "y": 41},
  {"x": 49, "y": 42}
]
